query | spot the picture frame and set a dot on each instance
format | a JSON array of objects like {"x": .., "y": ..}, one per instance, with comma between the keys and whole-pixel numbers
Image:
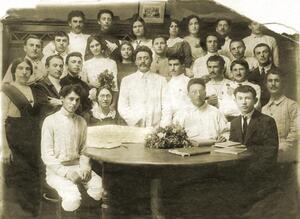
[{"x": 152, "y": 12}]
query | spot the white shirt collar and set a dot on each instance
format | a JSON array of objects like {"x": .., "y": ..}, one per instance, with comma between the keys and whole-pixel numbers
[
  {"x": 98, "y": 113},
  {"x": 65, "y": 113},
  {"x": 267, "y": 68},
  {"x": 249, "y": 115}
]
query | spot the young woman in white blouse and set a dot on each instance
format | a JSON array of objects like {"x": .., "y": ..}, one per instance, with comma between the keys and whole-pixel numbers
[{"x": 98, "y": 64}]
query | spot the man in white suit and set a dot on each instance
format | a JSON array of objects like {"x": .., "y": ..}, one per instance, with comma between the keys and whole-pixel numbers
[{"x": 142, "y": 93}]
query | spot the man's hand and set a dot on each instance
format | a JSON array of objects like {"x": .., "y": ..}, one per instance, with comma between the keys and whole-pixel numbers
[
  {"x": 6, "y": 155},
  {"x": 212, "y": 100},
  {"x": 221, "y": 139},
  {"x": 54, "y": 101},
  {"x": 111, "y": 46},
  {"x": 73, "y": 176},
  {"x": 85, "y": 174}
]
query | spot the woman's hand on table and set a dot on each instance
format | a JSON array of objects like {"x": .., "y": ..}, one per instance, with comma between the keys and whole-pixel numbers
[{"x": 221, "y": 139}]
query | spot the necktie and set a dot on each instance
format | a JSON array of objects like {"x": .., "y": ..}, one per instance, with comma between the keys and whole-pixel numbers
[
  {"x": 245, "y": 126},
  {"x": 263, "y": 73}
]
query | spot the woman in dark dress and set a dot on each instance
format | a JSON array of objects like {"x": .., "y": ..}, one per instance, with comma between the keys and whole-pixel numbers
[
  {"x": 102, "y": 113},
  {"x": 126, "y": 66},
  {"x": 21, "y": 136}
]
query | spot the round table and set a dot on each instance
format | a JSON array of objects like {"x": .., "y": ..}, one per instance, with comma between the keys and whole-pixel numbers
[{"x": 154, "y": 164}]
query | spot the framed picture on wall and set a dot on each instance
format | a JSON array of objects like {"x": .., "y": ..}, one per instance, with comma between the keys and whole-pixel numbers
[{"x": 152, "y": 12}]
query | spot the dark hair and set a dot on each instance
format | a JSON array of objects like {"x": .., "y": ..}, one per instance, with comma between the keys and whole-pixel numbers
[
  {"x": 104, "y": 11},
  {"x": 49, "y": 58},
  {"x": 135, "y": 19},
  {"x": 276, "y": 72},
  {"x": 158, "y": 36},
  {"x": 128, "y": 44},
  {"x": 66, "y": 90},
  {"x": 88, "y": 53},
  {"x": 240, "y": 62},
  {"x": 32, "y": 36},
  {"x": 76, "y": 13},
  {"x": 216, "y": 58},
  {"x": 223, "y": 19},
  {"x": 142, "y": 49},
  {"x": 176, "y": 56},
  {"x": 195, "y": 81},
  {"x": 15, "y": 64},
  {"x": 233, "y": 40},
  {"x": 61, "y": 34},
  {"x": 262, "y": 45},
  {"x": 176, "y": 22},
  {"x": 72, "y": 54},
  {"x": 215, "y": 34},
  {"x": 245, "y": 89},
  {"x": 188, "y": 21}
]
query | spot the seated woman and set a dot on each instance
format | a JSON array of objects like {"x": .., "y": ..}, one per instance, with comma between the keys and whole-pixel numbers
[
  {"x": 102, "y": 114},
  {"x": 21, "y": 135},
  {"x": 126, "y": 66},
  {"x": 139, "y": 33},
  {"x": 193, "y": 37},
  {"x": 177, "y": 45}
]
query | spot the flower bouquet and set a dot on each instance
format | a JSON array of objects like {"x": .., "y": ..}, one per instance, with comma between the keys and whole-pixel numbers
[
  {"x": 172, "y": 136},
  {"x": 106, "y": 79}
]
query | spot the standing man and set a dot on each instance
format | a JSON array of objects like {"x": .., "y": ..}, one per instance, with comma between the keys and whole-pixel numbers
[
  {"x": 33, "y": 48},
  {"x": 211, "y": 43},
  {"x": 262, "y": 53},
  {"x": 50, "y": 86},
  {"x": 142, "y": 93},
  {"x": 63, "y": 141},
  {"x": 105, "y": 21},
  {"x": 223, "y": 28},
  {"x": 255, "y": 130},
  {"x": 77, "y": 39},
  {"x": 216, "y": 87},
  {"x": 159, "y": 64},
  {"x": 284, "y": 111},
  {"x": 237, "y": 49},
  {"x": 74, "y": 67},
  {"x": 257, "y": 36},
  {"x": 176, "y": 92},
  {"x": 61, "y": 43}
]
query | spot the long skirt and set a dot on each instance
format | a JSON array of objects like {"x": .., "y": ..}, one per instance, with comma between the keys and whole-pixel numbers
[{"x": 23, "y": 136}]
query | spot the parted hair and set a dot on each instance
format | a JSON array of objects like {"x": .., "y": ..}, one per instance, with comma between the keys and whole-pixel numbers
[
  {"x": 15, "y": 64},
  {"x": 66, "y": 90},
  {"x": 216, "y": 58},
  {"x": 245, "y": 89},
  {"x": 240, "y": 62},
  {"x": 49, "y": 58}
]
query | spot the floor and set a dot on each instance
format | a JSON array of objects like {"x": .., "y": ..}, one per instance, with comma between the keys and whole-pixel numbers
[{"x": 279, "y": 204}]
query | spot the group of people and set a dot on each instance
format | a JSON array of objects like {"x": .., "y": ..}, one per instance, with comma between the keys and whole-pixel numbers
[{"x": 215, "y": 86}]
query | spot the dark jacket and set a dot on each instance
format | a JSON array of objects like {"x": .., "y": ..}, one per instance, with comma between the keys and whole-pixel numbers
[
  {"x": 261, "y": 140},
  {"x": 255, "y": 77}
]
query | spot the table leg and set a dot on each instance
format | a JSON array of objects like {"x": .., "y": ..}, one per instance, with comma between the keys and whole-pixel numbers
[{"x": 156, "y": 199}]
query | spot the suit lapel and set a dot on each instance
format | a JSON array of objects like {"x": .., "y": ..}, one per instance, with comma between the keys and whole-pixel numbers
[{"x": 252, "y": 125}]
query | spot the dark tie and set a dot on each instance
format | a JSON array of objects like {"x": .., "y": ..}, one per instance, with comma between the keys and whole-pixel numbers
[
  {"x": 245, "y": 126},
  {"x": 263, "y": 73}
]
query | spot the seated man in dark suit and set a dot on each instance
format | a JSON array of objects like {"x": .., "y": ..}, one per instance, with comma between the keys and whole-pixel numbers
[
  {"x": 263, "y": 55},
  {"x": 257, "y": 131},
  {"x": 74, "y": 67}
]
